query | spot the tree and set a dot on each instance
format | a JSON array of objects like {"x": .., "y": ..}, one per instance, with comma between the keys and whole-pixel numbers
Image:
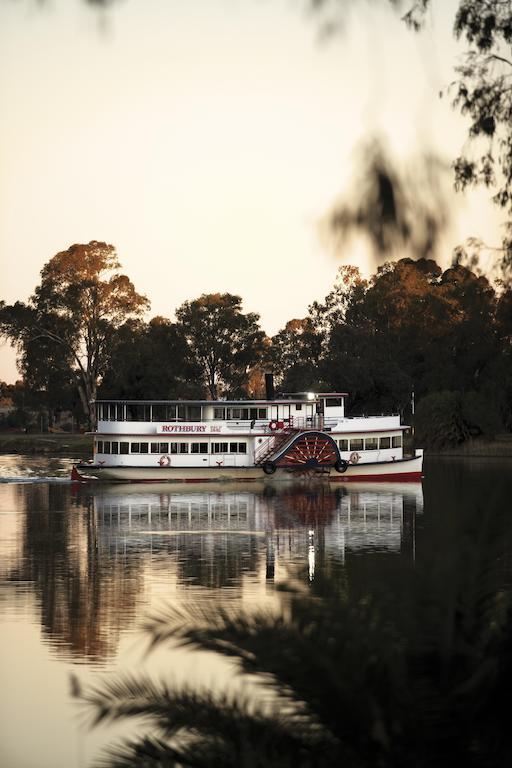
[
  {"x": 150, "y": 361},
  {"x": 295, "y": 356},
  {"x": 225, "y": 342},
  {"x": 413, "y": 326},
  {"x": 80, "y": 303}
]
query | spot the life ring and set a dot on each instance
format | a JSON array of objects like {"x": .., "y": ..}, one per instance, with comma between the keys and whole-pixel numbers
[
  {"x": 269, "y": 467},
  {"x": 273, "y": 425},
  {"x": 165, "y": 461},
  {"x": 354, "y": 457},
  {"x": 341, "y": 465}
]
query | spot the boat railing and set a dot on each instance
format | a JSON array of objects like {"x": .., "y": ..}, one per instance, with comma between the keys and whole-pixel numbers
[{"x": 276, "y": 426}]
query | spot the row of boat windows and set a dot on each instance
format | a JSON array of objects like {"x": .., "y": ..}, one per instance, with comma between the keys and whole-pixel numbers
[
  {"x": 370, "y": 443},
  {"x": 116, "y": 447},
  {"x": 165, "y": 412},
  {"x": 239, "y": 413}
]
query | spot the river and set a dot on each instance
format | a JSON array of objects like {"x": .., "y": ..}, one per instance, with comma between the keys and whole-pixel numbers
[{"x": 83, "y": 566}]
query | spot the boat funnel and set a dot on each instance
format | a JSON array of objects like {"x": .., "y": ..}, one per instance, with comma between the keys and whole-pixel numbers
[{"x": 269, "y": 386}]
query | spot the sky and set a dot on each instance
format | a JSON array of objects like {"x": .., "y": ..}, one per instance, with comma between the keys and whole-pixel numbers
[{"x": 208, "y": 140}]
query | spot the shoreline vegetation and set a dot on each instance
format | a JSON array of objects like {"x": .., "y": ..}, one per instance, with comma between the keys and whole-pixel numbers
[
  {"x": 36, "y": 443},
  {"x": 412, "y": 339},
  {"x": 79, "y": 444},
  {"x": 498, "y": 447}
]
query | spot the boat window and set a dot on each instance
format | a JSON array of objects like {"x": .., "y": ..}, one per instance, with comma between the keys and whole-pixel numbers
[
  {"x": 356, "y": 444},
  {"x": 199, "y": 448},
  {"x": 384, "y": 442},
  {"x": 182, "y": 412},
  {"x": 144, "y": 447},
  {"x": 115, "y": 446},
  {"x": 164, "y": 447},
  {"x": 343, "y": 445},
  {"x": 155, "y": 447},
  {"x": 244, "y": 414},
  {"x": 112, "y": 412},
  {"x": 298, "y": 406},
  {"x": 219, "y": 447},
  {"x": 262, "y": 413},
  {"x": 137, "y": 412},
  {"x": 194, "y": 413},
  {"x": 134, "y": 447},
  {"x": 396, "y": 441},
  {"x": 120, "y": 412},
  {"x": 99, "y": 446},
  {"x": 159, "y": 412},
  {"x": 237, "y": 447},
  {"x": 174, "y": 448},
  {"x": 123, "y": 447},
  {"x": 106, "y": 446},
  {"x": 183, "y": 447},
  {"x": 333, "y": 402},
  {"x": 371, "y": 443},
  {"x": 219, "y": 413}
]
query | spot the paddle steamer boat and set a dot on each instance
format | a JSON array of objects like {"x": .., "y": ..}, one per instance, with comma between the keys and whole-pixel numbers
[{"x": 278, "y": 438}]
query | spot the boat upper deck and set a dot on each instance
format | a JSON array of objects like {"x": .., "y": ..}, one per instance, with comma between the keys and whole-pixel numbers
[{"x": 305, "y": 412}]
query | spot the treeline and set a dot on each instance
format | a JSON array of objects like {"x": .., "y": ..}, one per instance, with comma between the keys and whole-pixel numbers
[{"x": 411, "y": 333}]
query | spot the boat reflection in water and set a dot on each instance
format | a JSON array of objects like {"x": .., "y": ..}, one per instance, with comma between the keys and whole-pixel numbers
[{"x": 217, "y": 536}]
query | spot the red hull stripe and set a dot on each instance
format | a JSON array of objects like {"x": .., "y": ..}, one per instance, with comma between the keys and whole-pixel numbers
[{"x": 403, "y": 476}]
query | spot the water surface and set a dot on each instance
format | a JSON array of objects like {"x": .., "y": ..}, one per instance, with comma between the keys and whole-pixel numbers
[{"x": 83, "y": 566}]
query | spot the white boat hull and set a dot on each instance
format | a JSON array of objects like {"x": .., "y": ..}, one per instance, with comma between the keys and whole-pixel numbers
[{"x": 408, "y": 469}]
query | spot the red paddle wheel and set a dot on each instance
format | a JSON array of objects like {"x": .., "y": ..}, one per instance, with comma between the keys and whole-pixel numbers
[{"x": 308, "y": 451}]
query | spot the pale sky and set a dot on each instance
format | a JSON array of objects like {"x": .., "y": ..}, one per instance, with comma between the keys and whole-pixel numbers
[{"x": 206, "y": 139}]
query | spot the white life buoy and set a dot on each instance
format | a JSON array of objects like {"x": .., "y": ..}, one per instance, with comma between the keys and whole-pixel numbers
[
  {"x": 354, "y": 457},
  {"x": 273, "y": 425},
  {"x": 165, "y": 461}
]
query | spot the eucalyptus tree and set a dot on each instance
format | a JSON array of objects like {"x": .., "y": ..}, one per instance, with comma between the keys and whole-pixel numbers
[
  {"x": 150, "y": 361},
  {"x": 226, "y": 342},
  {"x": 75, "y": 311}
]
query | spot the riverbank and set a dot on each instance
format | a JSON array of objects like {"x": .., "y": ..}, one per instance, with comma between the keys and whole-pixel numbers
[
  {"x": 63, "y": 444},
  {"x": 498, "y": 447}
]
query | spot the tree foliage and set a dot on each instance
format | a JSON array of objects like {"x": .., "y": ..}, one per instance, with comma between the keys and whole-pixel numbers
[
  {"x": 150, "y": 361},
  {"x": 483, "y": 93},
  {"x": 76, "y": 309},
  {"x": 411, "y": 326},
  {"x": 391, "y": 213},
  {"x": 225, "y": 342}
]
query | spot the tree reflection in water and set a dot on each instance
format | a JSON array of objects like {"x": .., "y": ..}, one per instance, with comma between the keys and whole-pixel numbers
[
  {"x": 89, "y": 553},
  {"x": 77, "y": 587}
]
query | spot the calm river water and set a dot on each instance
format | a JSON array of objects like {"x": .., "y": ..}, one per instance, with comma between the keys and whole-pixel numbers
[{"x": 82, "y": 567}]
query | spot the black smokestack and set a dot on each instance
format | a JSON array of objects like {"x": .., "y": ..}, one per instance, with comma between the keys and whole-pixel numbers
[{"x": 269, "y": 386}]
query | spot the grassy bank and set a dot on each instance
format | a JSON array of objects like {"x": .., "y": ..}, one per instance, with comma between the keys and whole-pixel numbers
[{"x": 63, "y": 444}]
